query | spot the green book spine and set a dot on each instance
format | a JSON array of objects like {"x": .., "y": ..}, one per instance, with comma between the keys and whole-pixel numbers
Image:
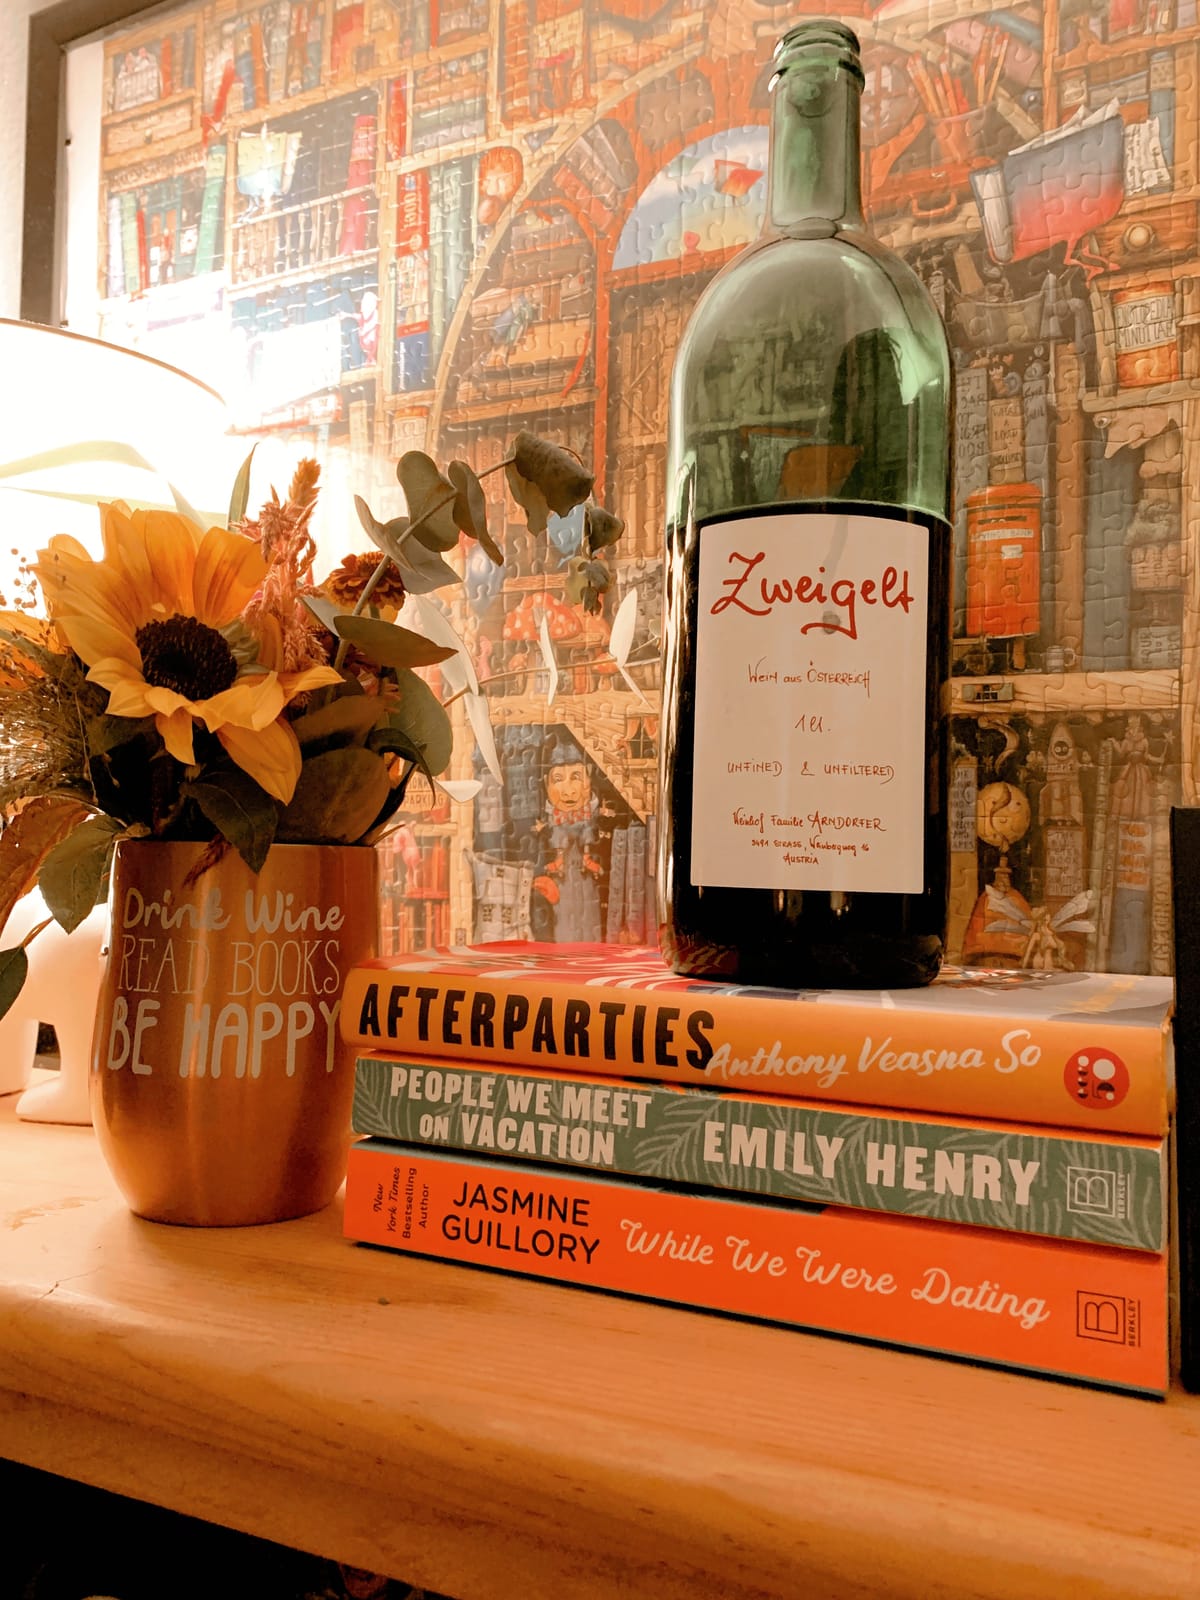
[
  {"x": 211, "y": 208},
  {"x": 129, "y": 242},
  {"x": 1104, "y": 1190}
]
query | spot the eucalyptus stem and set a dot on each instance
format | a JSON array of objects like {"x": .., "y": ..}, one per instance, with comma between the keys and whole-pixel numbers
[
  {"x": 376, "y": 577},
  {"x": 523, "y": 672}
]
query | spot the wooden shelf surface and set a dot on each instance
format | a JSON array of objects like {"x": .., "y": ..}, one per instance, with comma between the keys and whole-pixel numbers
[{"x": 497, "y": 1439}]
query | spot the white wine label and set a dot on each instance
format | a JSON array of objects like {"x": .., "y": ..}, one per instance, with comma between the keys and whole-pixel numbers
[{"x": 811, "y": 743}]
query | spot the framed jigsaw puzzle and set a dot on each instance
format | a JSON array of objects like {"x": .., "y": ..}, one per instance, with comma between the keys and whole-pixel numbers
[{"x": 431, "y": 223}]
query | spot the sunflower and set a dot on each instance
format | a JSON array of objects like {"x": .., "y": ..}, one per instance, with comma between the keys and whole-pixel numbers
[{"x": 147, "y": 621}]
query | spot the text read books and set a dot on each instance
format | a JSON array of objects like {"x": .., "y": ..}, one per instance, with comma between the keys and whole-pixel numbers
[
  {"x": 1083, "y": 1050},
  {"x": 1067, "y": 1310},
  {"x": 1105, "y": 1189}
]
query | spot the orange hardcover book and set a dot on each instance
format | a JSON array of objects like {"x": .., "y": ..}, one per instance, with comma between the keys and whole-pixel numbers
[
  {"x": 1062, "y": 1310},
  {"x": 1065, "y": 1049}
]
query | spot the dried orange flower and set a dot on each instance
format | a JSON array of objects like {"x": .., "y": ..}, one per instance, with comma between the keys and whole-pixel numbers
[{"x": 345, "y": 584}]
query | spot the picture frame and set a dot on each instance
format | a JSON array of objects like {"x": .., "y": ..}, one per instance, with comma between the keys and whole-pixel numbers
[{"x": 52, "y": 31}]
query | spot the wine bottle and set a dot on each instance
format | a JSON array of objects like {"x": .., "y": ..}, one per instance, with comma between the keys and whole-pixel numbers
[{"x": 802, "y": 821}]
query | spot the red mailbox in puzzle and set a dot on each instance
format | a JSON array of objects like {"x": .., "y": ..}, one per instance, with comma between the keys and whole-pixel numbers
[{"x": 1004, "y": 561}]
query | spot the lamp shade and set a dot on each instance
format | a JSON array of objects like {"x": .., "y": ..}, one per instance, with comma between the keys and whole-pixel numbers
[{"x": 86, "y": 421}]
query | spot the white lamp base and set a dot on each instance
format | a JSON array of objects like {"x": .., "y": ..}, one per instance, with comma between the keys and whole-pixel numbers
[
  {"x": 63, "y": 1098},
  {"x": 63, "y": 986}
]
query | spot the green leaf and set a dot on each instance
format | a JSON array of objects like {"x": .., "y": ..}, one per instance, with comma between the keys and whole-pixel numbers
[
  {"x": 239, "y": 809},
  {"x": 470, "y": 508},
  {"x": 600, "y": 528},
  {"x": 107, "y": 733},
  {"x": 389, "y": 645},
  {"x": 430, "y": 500},
  {"x": 422, "y": 717},
  {"x": 240, "y": 498},
  {"x": 73, "y": 875},
  {"x": 14, "y": 969},
  {"x": 390, "y": 737},
  {"x": 347, "y": 720},
  {"x": 338, "y": 797}
]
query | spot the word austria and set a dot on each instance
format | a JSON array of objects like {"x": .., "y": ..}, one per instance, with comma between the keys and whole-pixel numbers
[{"x": 758, "y": 593}]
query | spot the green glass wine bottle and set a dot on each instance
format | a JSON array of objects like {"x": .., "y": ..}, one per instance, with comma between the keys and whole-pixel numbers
[{"x": 802, "y": 820}]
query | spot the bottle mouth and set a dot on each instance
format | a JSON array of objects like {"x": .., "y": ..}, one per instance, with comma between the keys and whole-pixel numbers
[{"x": 820, "y": 37}]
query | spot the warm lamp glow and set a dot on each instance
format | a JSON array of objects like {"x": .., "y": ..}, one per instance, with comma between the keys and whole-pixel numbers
[{"x": 85, "y": 421}]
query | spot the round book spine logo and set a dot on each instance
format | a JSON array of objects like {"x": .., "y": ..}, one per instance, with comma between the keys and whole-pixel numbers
[{"x": 1097, "y": 1078}]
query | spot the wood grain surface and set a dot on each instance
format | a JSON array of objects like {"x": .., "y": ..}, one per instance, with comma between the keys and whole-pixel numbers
[{"x": 497, "y": 1439}]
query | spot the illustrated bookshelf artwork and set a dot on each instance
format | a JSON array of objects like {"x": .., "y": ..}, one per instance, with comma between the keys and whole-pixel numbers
[{"x": 394, "y": 224}]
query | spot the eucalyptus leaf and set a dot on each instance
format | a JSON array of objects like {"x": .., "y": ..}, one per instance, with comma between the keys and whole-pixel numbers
[
  {"x": 620, "y": 638},
  {"x": 423, "y": 570},
  {"x": 430, "y": 499},
  {"x": 14, "y": 969},
  {"x": 367, "y": 517},
  {"x": 460, "y": 789},
  {"x": 324, "y": 610},
  {"x": 624, "y": 625},
  {"x": 390, "y": 738},
  {"x": 586, "y": 582},
  {"x": 240, "y": 498},
  {"x": 431, "y": 620},
  {"x": 562, "y": 478},
  {"x": 385, "y": 536},
  {"x": 600, "y": 528},
  {"x": 74, "y": 874},
  {"x": 421, "y": 716},
  {"x": 338, "y": 796},
  {"x": 547, "y": 648},
  {"x": 530, "y": 498},
  {"x": 391, "y": 534},
  {"x": 240, "y": 810},
  {"x": 480, "y": 718},
  {"x": 388, "y": 645},
  {"x": 470, "y": 509}
]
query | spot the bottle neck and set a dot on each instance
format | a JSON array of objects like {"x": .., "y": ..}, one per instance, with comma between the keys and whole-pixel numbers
[{"x": 815, "y": 164}]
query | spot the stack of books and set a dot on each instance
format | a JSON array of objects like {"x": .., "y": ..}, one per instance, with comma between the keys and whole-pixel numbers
[{"x": 977, "y": 1169}]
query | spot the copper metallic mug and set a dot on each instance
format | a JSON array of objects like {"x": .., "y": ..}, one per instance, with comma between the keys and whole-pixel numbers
[{"x": 221, "y": 1090}]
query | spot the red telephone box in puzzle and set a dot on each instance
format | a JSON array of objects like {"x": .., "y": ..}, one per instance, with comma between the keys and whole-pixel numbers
[{"x": 1004, "y": 561}]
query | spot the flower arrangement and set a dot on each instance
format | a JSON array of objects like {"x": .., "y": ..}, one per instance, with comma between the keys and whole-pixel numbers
[{"x": 202, "y": 684}]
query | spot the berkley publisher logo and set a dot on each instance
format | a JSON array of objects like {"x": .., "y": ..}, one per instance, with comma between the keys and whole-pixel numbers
[
  {"x": 1111, "y": 1318},
  {"x": 1097, "y": 1078},
  {"x": 1096, "y": 1192}
]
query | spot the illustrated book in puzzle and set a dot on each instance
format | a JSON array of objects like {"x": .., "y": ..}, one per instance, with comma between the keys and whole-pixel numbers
[{"x": 384, "y": 225}]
